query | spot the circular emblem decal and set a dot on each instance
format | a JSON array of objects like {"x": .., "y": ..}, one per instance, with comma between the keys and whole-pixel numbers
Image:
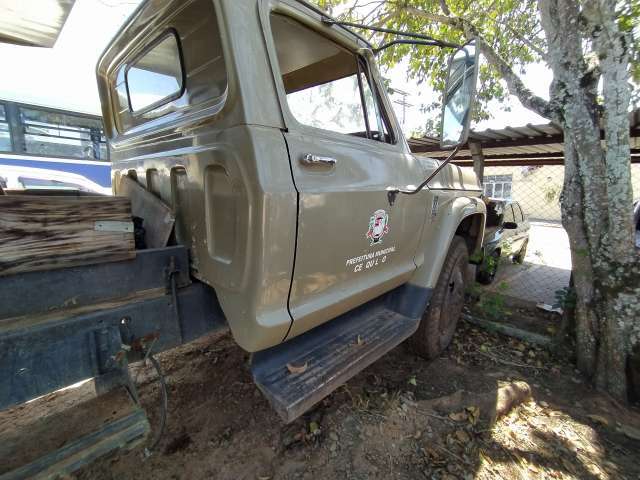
[{"x": 378, "y": 227}]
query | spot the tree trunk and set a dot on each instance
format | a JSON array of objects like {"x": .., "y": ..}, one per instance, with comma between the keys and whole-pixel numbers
[{"x": 597, "y": 198}]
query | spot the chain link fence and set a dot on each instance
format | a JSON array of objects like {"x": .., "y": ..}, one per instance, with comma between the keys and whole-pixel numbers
[{"x": 544, "y": 274}]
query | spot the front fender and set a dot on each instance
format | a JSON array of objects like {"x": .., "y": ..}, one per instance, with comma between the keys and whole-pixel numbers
[{"x": 450, "y": 213}]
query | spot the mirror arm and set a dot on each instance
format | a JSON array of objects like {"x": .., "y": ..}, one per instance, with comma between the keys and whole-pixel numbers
[
  {"x": 436, "y": 42},
  {"x": 384, "y": 46},
  {"x": 392, "y": 194}
]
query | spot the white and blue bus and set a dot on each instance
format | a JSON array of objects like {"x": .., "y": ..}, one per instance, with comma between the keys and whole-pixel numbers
[{"x": 47, "y": 148}]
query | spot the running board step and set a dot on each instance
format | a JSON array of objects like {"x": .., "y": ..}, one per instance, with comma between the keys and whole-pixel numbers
[
  {"x": 327, "y": 356},
  {"x": 56, "y": 445}
]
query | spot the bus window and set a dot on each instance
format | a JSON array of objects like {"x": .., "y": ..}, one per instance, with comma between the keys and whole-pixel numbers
[
  {"x": 5, "y": 133},
  {"x": 61, "y": 135}
]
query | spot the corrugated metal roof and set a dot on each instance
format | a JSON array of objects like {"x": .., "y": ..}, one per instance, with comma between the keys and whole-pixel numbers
[
  {"x": 529, "y": 142},
  {"x": 35, "y": 23}
]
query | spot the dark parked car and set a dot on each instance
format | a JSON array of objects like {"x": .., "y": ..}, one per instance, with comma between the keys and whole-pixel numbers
[{"x": 506, "y": 235}]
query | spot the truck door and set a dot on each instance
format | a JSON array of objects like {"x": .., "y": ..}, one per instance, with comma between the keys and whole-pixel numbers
[{"x": 345, "y": 153}]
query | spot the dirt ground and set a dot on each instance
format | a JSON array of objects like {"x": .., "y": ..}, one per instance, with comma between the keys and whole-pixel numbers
[{"x": 401, "y": 418}]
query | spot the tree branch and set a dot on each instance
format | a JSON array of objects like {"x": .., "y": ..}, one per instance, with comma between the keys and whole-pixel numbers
[
  {"x": 526, "y": 41},
  {"x": 445, "y": 8},
  {"x": 447, "y": 20},
  {"x": 515, "y": 84},
  {"x": 516, "y": 87}
]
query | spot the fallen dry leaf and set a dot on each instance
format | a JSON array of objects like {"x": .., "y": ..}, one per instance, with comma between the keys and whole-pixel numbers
[
  {"x": 297, "y": 368},
  {"x": 462, "y": 436},
  {"x": 599, "y": 419},
  {"x": 314, "y": 428},
  {"x": 474, "y": 414},
  {"x": 458, "y": 417},
  {"x": 432, "y": 453}
]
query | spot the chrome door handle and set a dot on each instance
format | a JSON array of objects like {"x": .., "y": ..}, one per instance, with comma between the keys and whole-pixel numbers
[{"x": 311, "y": 159}]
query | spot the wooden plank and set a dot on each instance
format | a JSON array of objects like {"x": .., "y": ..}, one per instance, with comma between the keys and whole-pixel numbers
[
  {"x": 158, "y": 217},
  {"x": 51, "y": 434},
  {"x": 45, "y": 233}
]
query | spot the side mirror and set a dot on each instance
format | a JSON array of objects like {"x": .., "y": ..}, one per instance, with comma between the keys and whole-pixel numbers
[
  {"x": 509, "y": 225},
  {"x": 459, "y": 96}
]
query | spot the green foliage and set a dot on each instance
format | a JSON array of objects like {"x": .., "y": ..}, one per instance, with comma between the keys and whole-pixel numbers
[
  {"x": 512, "y": 27},
  {"x": 552, "y": 193},
  {"x": 629, "y": 21},
  {"x": 493, "y": 306},
  {"x": 565, "y": 298},
  {"x": 507, "y": 248}
]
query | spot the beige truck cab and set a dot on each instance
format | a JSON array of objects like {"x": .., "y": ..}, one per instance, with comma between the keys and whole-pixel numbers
[
  {"x": 266, "y": 127},
  {"x": 271, "y": 190}
]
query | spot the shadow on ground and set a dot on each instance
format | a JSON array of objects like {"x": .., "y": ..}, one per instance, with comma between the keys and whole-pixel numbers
[{"x": 401, "y": 418}]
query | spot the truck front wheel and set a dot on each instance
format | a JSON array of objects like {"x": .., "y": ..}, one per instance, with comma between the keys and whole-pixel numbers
[{"x": 439, "y": 320}]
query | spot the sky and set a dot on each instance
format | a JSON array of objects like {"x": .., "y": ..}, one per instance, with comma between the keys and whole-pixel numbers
[
  {"x": 537, "y": 78},
  {"x": 64, "y": 76}
]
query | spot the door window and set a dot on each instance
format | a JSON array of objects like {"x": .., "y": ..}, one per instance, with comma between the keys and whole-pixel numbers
[
  {"x": 156, "y": 77},
  {"x": 518, "y": 212},
  {"x": 333, "y": 106},
  {"x": 327, "y": 86},
  {"x": 508, "y": 214},
  {"x": 377, "y": 123}
]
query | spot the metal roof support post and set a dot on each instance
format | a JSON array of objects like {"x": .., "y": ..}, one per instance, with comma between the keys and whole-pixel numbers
[{"x": 478, "y": 159}]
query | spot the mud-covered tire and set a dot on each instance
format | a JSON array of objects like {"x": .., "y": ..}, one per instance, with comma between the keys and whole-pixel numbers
[
  {"x": 519, "y": 257},
  {"x": 439, "y": 320}
]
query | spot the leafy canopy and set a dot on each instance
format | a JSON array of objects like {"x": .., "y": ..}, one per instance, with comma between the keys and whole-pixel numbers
[{"x": 511, "y": 28}]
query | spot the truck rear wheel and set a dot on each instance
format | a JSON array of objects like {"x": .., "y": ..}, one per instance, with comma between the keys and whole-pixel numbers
[{"x": 439, "y": 320}]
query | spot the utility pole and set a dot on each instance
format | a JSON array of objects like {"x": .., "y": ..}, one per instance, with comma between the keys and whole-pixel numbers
[{"x": 402, "y": 102}]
